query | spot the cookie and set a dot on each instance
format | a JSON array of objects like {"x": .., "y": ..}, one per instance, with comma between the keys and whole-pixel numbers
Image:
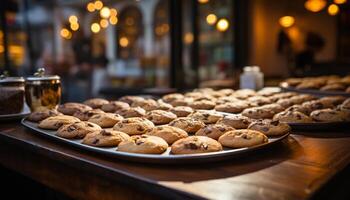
[
  {"x": 169, "y": 133},
  {"x": 258, "y": 113},
  {"x": 334, "y": 100},
  {"x": 333, "y": 87},
  {"x": 77, "y": 130},
  {"x": 181, "y": 111},
  {"x": 85, "y": 115},
  {"x": 71, "y": 108},
  {"x": 268, "y": 91},
  {"x": 227, "y": 99},
  {"x": 259, "y": 100},
  {"x": 163, "y": 106},
  {"x": 144, "y": 144},
  {"x": 132, "y": 112},
  {"x": 310, "y": 85},
  {"x": 293, "y": 81},
  {"x": 235, "y": 121},
  {"x": 270, "y": 127},
  {"x": 346, "y": 104},
  {"x": 171, "y": 97},
  {"x": 226, "y": 92},
  {"x": 190, "y": 125},
  {"x": 134, "y": 125},
  {"x": 114, "y": 106},
  {"x": 195, "y": 145},
  {"x": 159, "y": 117},
  {"x": 328, "y": 115},
  {"x": 105, "y": 120},
  {"x": 206, "y": 116},
  {"x": 203, "y": 104},
  {"x": 38, "y": 116},
  {"x": 244, "y": 93},
  {"x": 285, "y": 103},
  {"x": 96, "y": 102},
  {"x": 56, "y": 122},
  {"x": 131, "y": 99},
  {"x": 147, "y": 104},
  {"x": 105, "y": 138},
  {"x": 283, "y": 95},
  {"x": 274, "y": 107},
  {"x": 300, "y": 108},
  {"x": 232, "y": 107},
  {"x": 181, "y": 102},
  {"x": 292, "y": 117},
  {"x": 214, "y": 130},
  {"x": 242, "y": 138},
  {"x": 310, "y": 106}
]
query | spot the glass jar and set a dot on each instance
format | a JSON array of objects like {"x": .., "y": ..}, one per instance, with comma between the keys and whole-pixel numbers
[
  {"x": 43, "y": 91},
  {"x": 11, "y": 95}
]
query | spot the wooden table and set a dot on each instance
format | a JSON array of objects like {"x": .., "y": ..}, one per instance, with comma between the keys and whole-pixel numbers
[{"x": 298, "y": 168}]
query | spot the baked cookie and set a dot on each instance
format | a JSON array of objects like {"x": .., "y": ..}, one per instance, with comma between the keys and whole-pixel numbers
[
  {"x": 274, "y": 107},
  {"x": 71, "y": 108},
  {"x": 181, "y": 102},
  {"x": 310, "y": 106},
  {"x": 114, "y": 106},
  {"x": 56, "y": 122},
  {"x": 242, "y": 138},
  {"x": 232, "y": 107},
  {"x": 293, "y": 81},
  {"x": 328, "y": 115},
  {"x": 300, "y": 108},
  {"x": 105, "y": 120},
  {"x": 203, "y": 104},
  {"x": 85, "y": 115},
  {"x": 144, "y": 144},
  {"x": 285, "y": 103},
  {"x": 159, "y": 117},
  {"x": 226, "y": 92},
  {"x": 190, "y": 125},
  {"x": 333, "y": 87},
  {"x": 147, "y": 104},
  {"x": 131, "y": 99},
  {"x": 194, "y": 145},
  {"x": 244, "y": 93},
  {"x": 206, "y": 116},
  {"x": 292, "y": 117},
  {"x": 259, "y": 100},
  {"x": 346, "y": 104},
  {"x": 134, "y": 125},
  {"x": 96, "y": 102},
  {"x": 132, "y": 112},
  {"x": 181, "y": 111},
  {"x": 38, "y": 116},
  {"x": 105, "y": 138},
  {"x": 334, "y": 100},
  {"x": 169, "y": 133},
  {"x": 283, "y": 95},
  {"x": 258, "y": 113},
  {"x": 310, "y": 85},
  {"x": 270, "y": 127},
  {"x": 171, "y": 97},
  {"x": 214, "y": 130},
  {"x": 227, "y": 99},
  {"x": 77, "y": 130},
  {"x": 235, "y": 121},
  {"x": 268, "y": 91},
  {"x": 163, "y": 106}
]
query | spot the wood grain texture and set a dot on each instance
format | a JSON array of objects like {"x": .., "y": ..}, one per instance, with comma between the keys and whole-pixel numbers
[{"x": 294, "y": 169}]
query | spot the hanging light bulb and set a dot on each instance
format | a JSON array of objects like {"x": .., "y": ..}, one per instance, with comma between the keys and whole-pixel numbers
[
  {"x": 339, "y": 1},
  {"x": 90, "y": 7},
  {"x": 123, "y": 42},
  {"x": 315, "y": 5},
  {"x": 286, "y": 21},
  {"x": 95, "y": 28},
  {"x": 105, "y": 12},
  {"x": 104, "y": 23},
  {"x": 98, "y": 5},
  {"x": 211, "y": 19},
  {"x": 222, "y": 25},
  {"x": 333, "y": 9},
  {"x": 113, "y": 20}
]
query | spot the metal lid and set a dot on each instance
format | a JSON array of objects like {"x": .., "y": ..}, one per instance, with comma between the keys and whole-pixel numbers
[
  {"x": 5, "y": 78},
  {"x": 40, "y": 76}
]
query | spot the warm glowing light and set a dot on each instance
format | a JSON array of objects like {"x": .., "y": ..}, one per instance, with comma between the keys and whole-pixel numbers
[
  {"x": 188, "y": 39},
  {"x": 74, "y": 26},
  {"x": 286, "y": 21},
  {"x": 98, "y": 5},
  {"x": 222, "y": 25},
  {"x": 105, "y": 12},
  {"x": 211, "y": 19},
  {"x": 73, "y": 19},
  {"x": 64, "y": 32},
  {"x": 165, "y": 28},
  {"x": 14, "y": 49},
  {"x": 123, "y": 42},
  {"x": 95, "y": 27},
  {"x": 333, "y": 9},
  {"x": 113, "y": 20},
  {"x": 203, "y": 1},
  {"x": 339, "y": 1},
  {"x": 315, "y": 5},
  {"x": 113, "y": 12},
  {"x": 90, "y": 7},
  {"x": 104, "y": 23},
  {"x": 1, "y": 34}
]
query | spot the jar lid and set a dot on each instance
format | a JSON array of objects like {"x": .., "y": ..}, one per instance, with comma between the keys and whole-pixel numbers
[
  {"x": 40, "y": 76},
  {"x": 5, "y": 78}
]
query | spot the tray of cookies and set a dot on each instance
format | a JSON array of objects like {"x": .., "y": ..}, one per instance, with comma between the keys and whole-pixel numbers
[
  {"x": 320, "y": 86},
  {"x": 178, "y": 128}
]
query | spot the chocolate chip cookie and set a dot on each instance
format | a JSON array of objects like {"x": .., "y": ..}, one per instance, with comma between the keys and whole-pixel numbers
[
  {"x": 38, "y": 116},
  {"x": 235, "y": 121},
  {"x": 105, "y": 120},
  {"x": 134, "y": 125},
  {"x": 328, "y": 115},
  {"x": 105, "y": 138},
  {"x": 270, "y": 127},
  {"x": 206, "y": 116},
  {"x": 181, "y": 111},
  {"x": 85, "y": 115},
  {"x": 114, "y": 106},
  {"x": 56, "y": 122},
  {"x": 77, "y": 130},
  {"x": 144, "y": 144},
  {"x": 131, "y": 99},
  {"x": 292, "y": 117},
  {"x": 190, "y": 125},
  {"x": 258, "y": 113},
  {"x": 169, "y": 133},
  {"x": 232, "y": 107},
  {"x": 71, "y": 108},
  {"x": 147, "y": 104},
  {"x": 132, "y": 112},
  {"x": 242, "y": 138},
  {"x": 203, "y": 104},
  {"x": 159, "y": 117},
  {"x": 214, "y": 130},
  {"x": 195, "y": 145},
  {"x": 96, "y": 102}
]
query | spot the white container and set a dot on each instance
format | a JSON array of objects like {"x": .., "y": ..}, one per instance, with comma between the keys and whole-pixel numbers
[{"x": 251, "y": 78}]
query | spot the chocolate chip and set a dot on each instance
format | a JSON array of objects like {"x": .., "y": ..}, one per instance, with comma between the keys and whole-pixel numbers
[
  {"x": 140, "y": 128},
  {"x": 222, "y": 129},
  {"x": 159, "y": 128},
  {"x": 90, "y": 125},
  {"x": 106, "y": 133},
  {"x": 275, "y": 123},
  {"x": 95, "y": 141},
  {"x": 139, "y": 142},
  {"x": 191, "y": 145},
  {"x": 245, "y": 136},
  {"x": 204, "y": 146},
  {"x": 265, "y": 129},
  {"x": 150, "y": 118},
  {"x": 71, "y": 128},
  {"x": 298, "y": 116}
]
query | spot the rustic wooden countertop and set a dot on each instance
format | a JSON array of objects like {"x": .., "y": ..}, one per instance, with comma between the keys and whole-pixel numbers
[{"x": 295, "y": 169}]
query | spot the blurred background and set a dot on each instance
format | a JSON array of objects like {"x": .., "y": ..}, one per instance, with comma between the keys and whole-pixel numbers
[{"x": 116, "y": 47}]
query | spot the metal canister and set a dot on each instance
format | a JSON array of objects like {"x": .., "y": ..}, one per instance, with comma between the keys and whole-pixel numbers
[{"x": 42, "y": 91}]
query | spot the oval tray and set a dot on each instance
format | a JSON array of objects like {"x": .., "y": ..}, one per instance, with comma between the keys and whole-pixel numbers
[
  {"x": 165, "y": 158},
  {"x": 319, "y": 126},
  {"x": 286, "y": 88}
]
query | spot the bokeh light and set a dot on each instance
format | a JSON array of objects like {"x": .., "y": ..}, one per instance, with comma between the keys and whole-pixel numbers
[
  {"x": 286, "y": 21},
  {"x": 333, "y": 9},
  {"x": 211, "y": 19},
  {"x": 123, "y": 42},
  {"x": 315, "y": 5},
  {"x": 222, "y": 25},
  {"x": 104, "y": 23},
  {"x": 105, "y": 12},
  {"x": 95, "y": 28}
]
